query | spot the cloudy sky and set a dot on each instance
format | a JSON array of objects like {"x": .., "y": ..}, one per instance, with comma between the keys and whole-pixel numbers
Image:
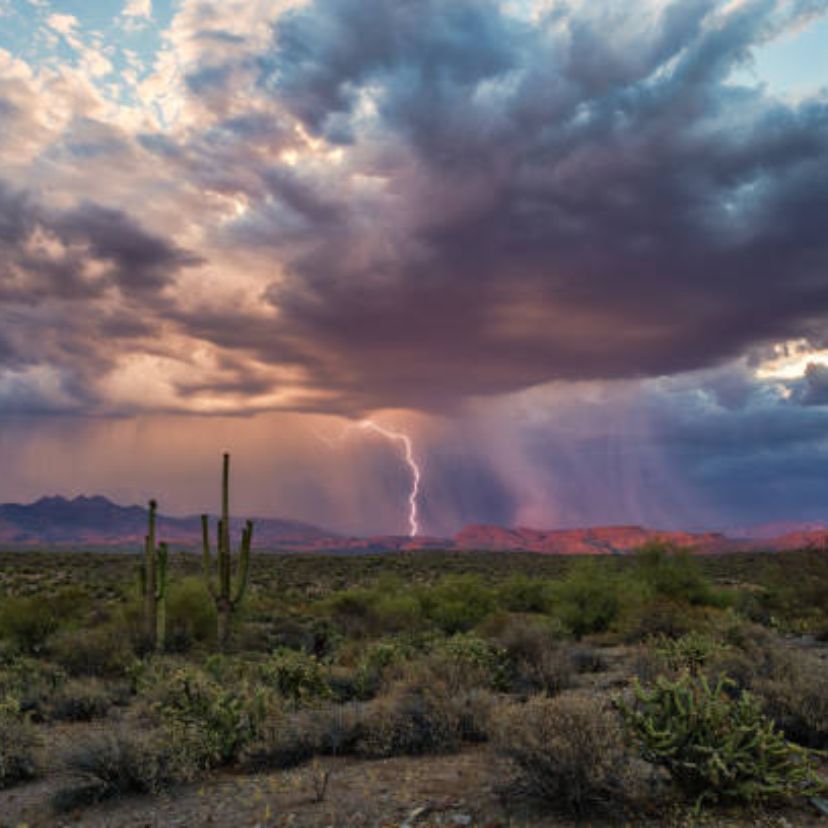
[{"x": 578, "y": 251}]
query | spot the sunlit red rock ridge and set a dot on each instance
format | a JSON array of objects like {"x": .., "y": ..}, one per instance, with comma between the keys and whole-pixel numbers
[{"x": 97, "y": 522}]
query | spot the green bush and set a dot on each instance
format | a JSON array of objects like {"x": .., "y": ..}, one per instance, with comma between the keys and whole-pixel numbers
[
  {"x": 104, "y": 651},
  {"x": 521, "y": 593},
  {"x": 30, "y": 685},
  {"x": 382, "y": 609},
  {"x": 457, "y": 603},
  {"x": 18, "y": 746},
  {"x": 674, "y": 574},
  {"x": 27, "y": 622},
  {"x": 297, "y": 676},
  {"x": 716, "y": 746},
  {"x": 191, "y": 614},
  {"x": 691, "y": 651},
  {"x": 587, "y": 600},
  {"x": 473, "y": 660},
  {"x": 215, "y": 720},
  {"x": 374, "y": 663}
]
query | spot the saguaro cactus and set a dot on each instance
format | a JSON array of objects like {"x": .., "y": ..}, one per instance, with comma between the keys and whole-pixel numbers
[
  {"x": 227, "y": 599},
  {"x": 154, "y": 584}
]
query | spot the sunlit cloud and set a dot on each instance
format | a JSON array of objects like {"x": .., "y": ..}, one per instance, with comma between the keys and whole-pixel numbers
[{"x": 502, "y": 220}]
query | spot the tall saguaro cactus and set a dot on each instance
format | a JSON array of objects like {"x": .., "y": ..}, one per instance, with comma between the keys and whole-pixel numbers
[
  {"x": 226, "y": 597},
  {"x": 154, "y": 584}
]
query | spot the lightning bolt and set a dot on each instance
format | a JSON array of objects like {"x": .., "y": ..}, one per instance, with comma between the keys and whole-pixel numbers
[{"x": 411, "y": 462}]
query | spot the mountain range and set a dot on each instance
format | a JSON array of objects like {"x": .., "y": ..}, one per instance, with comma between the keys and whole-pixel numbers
[{"x": 95, "y": 522}]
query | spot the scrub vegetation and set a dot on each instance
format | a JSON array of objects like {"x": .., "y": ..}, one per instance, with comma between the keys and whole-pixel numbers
[{"x": 656, "y": 688}]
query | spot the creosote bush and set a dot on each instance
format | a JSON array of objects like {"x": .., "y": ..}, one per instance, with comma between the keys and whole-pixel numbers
[
  {"x": 19, "y": 744},
  {"x": 792, "y": 684},
  {"x": 716, "y": 745},
  {"x": 80, "y": 700},
  {"x": 587, "y": 600},
  {"x": 104, "y": 651},
  {"x": 191, "y": 614},
  {"x": 568, "y": 752},
  {"x": 27, "y": 622},
  {"x": 110, "y": 763},
  {"x": 537, "y": 660}
]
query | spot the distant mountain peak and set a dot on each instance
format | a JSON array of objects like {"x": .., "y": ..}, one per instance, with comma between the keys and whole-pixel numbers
[{"x": 94, "y": 520}]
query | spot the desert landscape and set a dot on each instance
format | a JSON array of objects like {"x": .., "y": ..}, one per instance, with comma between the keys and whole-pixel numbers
[
  {"x": 512, "y": 317},
  {"x": 649, "y": 685}
]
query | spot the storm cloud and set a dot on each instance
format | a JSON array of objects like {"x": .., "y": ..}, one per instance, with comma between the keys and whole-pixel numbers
[
  {"x": 578, "y": 247},
  {"x": 573, "y": 197}
]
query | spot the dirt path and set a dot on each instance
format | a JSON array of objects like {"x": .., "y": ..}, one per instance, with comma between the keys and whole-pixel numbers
[
  {"x": 445, "y": 790},
  {"x": 451, "y": 791}
]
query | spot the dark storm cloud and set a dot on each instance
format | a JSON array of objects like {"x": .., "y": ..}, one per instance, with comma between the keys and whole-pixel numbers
[
  {"x": 55, "y": 268},
  {"x": 580, "y": 197},
  {"x": 46, "y": 253},
  {"x": 141, "y": 261}
]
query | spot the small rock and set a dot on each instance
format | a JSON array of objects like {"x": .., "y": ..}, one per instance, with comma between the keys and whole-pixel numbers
[
  {"x": 417, "y": 814},
  {"x": 461, "y": 819}
]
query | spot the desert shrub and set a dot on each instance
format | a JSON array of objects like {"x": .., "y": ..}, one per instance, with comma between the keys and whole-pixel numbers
[
  {"x": 521, "y": 593},
  {"x": 19, "y": 744},
  {"x": 587, "y": 600},
  {"x": 27, "y": 622},
  {"x": 102, "y": 651},
  {"x": 215, "y": 720},
  {"x": 191, "y": 614},
  {"x": 793, "y": 685},
  {"x": 798, "y": 703},
  {"x": 291, "y": 634},
  {"x": 80, "y": 700},
  {"x": 374, "y": 663},
  {"x": 298, "y": 676},
  {"x": 714, "y": 745},
  {"x": 408, "y": 721},
  {"x": 691, "y": 651},
  {"x": 566, "y": 751},
  {"x": 351, "y": 610},
  {"x": 475, "y": 655},
  {"x": 537, "y": 661},
  {"x": 396, "y": 611},
  {"x": 457, "y": 603},
  {"x": 288, "y": 739},
  {"x": 459, "y": 663},
  {"x": 382, "y": 609},
  {"x": 657, "y": 617},
  {"x": 30, "y": 684},
  {"x": 111, "y": 763},
  {"x": 675, "y": 575},
  {"x": 587, "y": 660}
]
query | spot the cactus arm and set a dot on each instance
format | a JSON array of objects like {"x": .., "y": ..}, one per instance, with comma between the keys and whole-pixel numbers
[
  {"x": 244, "y": 563},
  {"x": 142, "y": 570},
  {"x": 206, "y": 560},
  {"x": 225, "y": 527},
  {"x": 150, "y": 582},
  {"x": 161, "y": 595},
  {"x": 150, "y": 547},
  {"x": 162, "y": 557}
]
